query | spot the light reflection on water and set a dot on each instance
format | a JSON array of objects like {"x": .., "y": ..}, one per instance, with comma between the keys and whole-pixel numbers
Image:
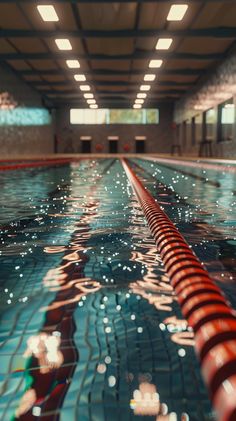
[{"x": 101, "y": 331}]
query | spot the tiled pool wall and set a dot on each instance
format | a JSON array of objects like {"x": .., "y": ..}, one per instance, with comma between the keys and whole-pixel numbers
[{"x": 212, "y": 90}]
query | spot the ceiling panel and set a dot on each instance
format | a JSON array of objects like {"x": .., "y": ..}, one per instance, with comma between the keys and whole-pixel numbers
[
  {"x": 106, "y": 16},
  {"x": 114, "y": 16},
  {"x": 11, "y": 17},
  {"x": 28, "y": 45}
]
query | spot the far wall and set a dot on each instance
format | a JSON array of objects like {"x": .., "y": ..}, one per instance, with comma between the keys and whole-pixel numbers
[
  {"x": 159, "y": 136},
  {"x": 23, "y": 139},
  {"x": 216, "y": 88}
]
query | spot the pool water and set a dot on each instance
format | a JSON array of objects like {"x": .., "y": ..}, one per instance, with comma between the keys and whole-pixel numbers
[{"x": 90, "y": 325}]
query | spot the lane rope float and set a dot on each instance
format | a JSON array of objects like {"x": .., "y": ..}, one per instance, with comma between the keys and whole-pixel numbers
[{"x": 202, "y": 302}]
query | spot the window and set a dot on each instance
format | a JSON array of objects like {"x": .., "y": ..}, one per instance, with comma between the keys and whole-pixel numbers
[
  {"x": 227, "y": 120},
  {"x": 211, "y": 118},
  {"x": 87, "y": 116},
  {"x": 22, "y": 116},
  {"x": 114, "y": 116}
]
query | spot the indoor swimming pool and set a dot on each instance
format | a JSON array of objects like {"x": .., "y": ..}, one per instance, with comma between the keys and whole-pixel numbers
[{"x": 91, "y": 328}]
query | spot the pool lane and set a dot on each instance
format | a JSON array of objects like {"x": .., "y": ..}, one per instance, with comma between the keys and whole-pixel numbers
[
  {"x": 202, "y": 302},
  {"x": 93, "y": 326},
  {"x": 200, "y": 207}
]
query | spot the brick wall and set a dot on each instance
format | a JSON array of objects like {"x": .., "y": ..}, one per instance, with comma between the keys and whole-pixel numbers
[
  {"x": 159, "y": 136},
  {"x": 218, "y": 86},
  {"x": 23, "y": 139}
]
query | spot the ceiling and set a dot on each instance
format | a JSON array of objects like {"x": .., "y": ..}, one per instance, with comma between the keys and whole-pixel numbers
[{"x": 114, "y": 42}]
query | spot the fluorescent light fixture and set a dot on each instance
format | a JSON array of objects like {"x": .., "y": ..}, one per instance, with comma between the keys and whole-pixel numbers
[
  {"x": 84, "y": 87},
  {"x": 88, "y": 96},
  {"x": 139, "y": 101},
  {"x": 73, "y": 64},
  {"x": 145, "y": 88},
  {"x": 48, "y": 13},
  {"x": 149, "y": 78},
  {"x": 177, "y": 12},
  {"x": 63, "y": 44},
  {"x": 93, "y": 106},
  {"x": 140, "y": 137},
  {"x": 137, "y": 106},
  {"x": 164, "y": 43},
  {"x": 91, "y": 101},
  {"x": 80, "y": 78},
  {"x": 85, "y": 137},
  {"x": 113, "y": 137},
  {"x": 141, "y": 95},
  {"x": 155, "y": 64}
]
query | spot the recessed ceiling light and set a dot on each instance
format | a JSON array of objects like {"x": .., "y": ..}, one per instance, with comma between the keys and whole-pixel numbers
[
  {"x": 139, "y": 101},
  {"x": 137, "y": 106},
  {"x": 93, "y": 106},
  {"x": 141, "y": 95},
  {"x": 48, "y": 13},
  {"x": 155, "y": 64},
  {"x": 145, "y": 87},
  {"x": 63, "y": 44},
  {"x": 164, "y": 43},
  {"x": 80, "y": 78},
  {"x": 91, "y": 101},
  {"x": 87, "y": 96},
  {"x": 177, "y": 12},
  {"x": 73, "y": 64},
  {"x": 84, "y": 87},
  {"x": 149, "y": 77}
]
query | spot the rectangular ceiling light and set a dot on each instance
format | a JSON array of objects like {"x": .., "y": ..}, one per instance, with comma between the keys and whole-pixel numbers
[
  {"x": 145, "y": 88},
  {"x": 93, "y": 106},
  {"x": 84, "y": 87},
  {"x": 140, "y": 137},
  {"x": 164, "y": 43},
  {"x": 137, "y": 106},
  {"x": 91, "y": 101},
  {"x": 73, "y": 64},
  {"x": 149, "y": 78},
  {"x": 141, "y": 95},
  {"x": 85, "y": 137},
  {"x": 113, "y": 137},
  {"x": 80, "y": 78},
  {"x": 88, "y": 96},
  {"x": 177, "y": 12},
  {"x": 155, "y": 64},
  {"x": 63, "y": 44},
  {"x": 139, "y": 101},
  {"x": 48, "y": 13}
]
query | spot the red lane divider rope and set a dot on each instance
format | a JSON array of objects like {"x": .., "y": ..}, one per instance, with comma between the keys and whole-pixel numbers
[
  {"x": 202, "y": 302},
  {"x": 194, "y": 164},
  {"x": 34, "y": 164}
]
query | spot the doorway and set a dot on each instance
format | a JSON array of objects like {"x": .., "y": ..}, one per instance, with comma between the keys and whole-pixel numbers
[
  {"x": 113, "y": 146},
  {"x": 86, "y": 146},
  {"x": 140, "y": 146}
]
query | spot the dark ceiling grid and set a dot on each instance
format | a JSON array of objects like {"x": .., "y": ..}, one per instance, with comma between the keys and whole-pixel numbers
[
  {"x": 120, "y": 1},
  {"x": 156, "y": 71},
  {"x": 225, "y": 32},
  {"x": 108, "y": 72},
  {"x": 34, "y": 83},
  {"x": 180, "y": 41},
  {"x": 213, "y": 32},
  {"x": 136, "y": 30},
  {"x": 76, "y": 15},
  {"x": 140, "y": 54},
  {"x": 9, "y": 66},
  {"x": 116, "y": 83}
]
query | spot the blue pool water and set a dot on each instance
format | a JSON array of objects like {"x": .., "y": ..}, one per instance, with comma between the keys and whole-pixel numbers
[{"x": 90, "y": 326}]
